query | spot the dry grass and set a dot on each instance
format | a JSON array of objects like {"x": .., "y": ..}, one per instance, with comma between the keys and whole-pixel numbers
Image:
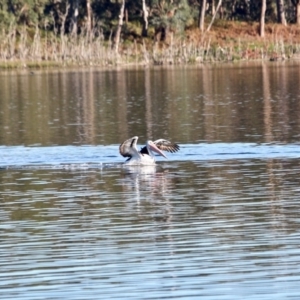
[
  {"x": 227, "y": 41},
  {"x": 20, "y": 48}
]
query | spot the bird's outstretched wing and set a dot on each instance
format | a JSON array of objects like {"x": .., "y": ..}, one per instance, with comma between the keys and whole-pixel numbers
[
  {"x": 163, "y": 145},
  {"x": 128, "y": 147}
]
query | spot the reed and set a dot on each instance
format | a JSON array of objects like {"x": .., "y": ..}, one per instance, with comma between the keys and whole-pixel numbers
[{"x": 20, "y": 47}]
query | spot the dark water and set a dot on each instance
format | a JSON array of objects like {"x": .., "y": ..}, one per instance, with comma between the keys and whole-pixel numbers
[
  {"x": 217, "y": 220},
  {"x": 231, "y": 103}
]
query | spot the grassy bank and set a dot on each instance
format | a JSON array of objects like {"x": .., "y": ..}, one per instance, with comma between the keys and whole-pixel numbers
[{"x": 227, "y": 41}]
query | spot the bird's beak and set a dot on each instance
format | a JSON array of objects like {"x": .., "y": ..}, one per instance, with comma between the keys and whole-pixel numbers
[{"x": 158, "y": 151}]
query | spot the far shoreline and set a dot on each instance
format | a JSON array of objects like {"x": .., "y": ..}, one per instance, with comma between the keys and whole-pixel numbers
[
  {"x": 33, "y": 70},
  {"x": 229, "y": 41}
]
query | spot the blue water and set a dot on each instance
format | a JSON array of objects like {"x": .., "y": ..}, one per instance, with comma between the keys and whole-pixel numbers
[{"x": 14, "y": 156}]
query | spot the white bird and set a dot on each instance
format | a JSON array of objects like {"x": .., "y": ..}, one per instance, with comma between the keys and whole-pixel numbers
[{"x": 145, "y": 156}]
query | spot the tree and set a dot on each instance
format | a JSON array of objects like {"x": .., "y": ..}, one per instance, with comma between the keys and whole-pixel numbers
[
  {"x": 168, "y": 15},
  {"x": 202, "y": 15},
  {"x": 145, "y": 18},
  {"x": 119, "y": 28},
  {"x": 262, "y": 18},
  {"x": 88, "y": 16},
  {"x": 74, "y": 17},
  {"x": 280, "y": 12},
  {"x": 25, "y": 12},
  {"x": 214, "y": 16},
  {"x": 296, "y": 4}
]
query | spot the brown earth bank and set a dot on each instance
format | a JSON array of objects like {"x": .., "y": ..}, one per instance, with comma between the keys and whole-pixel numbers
[
  {"x": 279, "y": 42},
  {"x": 224, "y": 30}
]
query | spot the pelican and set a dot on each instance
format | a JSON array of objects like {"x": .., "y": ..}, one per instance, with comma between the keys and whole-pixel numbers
[{"x": 145, "y": 156}]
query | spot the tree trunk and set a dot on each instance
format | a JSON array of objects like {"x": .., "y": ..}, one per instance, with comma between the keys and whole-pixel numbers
[
  {"x": 213, "y": 7},
  {"x": 74, "y": 20},
  {"x": 262, "y": 18},
  {"x": 280, "y": 12},
  {"x": 296, "y": 3},
  {"x": 63, "y": 19},
  {"x": 298, "y": 13},
  {"x": 202, "y": 15},
  {"x": 145, "y": 17},
  {"x": 214, "y": 16},
  {"x": 119, "y": 28},
  {"x": 89, "y": 16}
]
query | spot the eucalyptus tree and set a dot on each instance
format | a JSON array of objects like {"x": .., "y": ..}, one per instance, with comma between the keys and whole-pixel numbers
[
  {"x": 80, "y": 16},
  {"x": 214, "y": 15},
  {"x": 262, "y": 18},
  {"x": 119, "y": 27},
  {"x": 74, "y": 16},
  {"x": 202, "y": 15},
  {"x": 280, "y": 12},
  {"x": 168, "y": 15},
  {"x": 24, "y": 12},
  {"x": 145, "y": 9},
  {"x": 296, "y": 4}
]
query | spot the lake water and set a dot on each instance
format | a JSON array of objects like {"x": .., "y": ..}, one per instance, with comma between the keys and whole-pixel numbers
[{"x": 219, "y": 219}]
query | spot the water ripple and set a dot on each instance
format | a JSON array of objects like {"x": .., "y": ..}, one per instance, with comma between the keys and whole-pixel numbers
[{"x": 220, "y": 229}]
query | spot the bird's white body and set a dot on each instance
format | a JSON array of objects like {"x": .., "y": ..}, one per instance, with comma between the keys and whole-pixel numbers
[
  {"x": 145, "y": 157},
  {"x": 141, "y": 159}
]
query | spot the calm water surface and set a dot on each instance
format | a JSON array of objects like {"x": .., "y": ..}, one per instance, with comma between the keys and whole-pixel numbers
[{"x": 219, "y": 219}]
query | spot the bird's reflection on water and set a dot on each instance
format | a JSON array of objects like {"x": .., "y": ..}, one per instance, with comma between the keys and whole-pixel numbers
[{"x": 149, "y": 185}]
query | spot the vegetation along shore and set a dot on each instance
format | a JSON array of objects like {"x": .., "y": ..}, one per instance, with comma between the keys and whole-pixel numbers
[{"x": 45, "y": 33}]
